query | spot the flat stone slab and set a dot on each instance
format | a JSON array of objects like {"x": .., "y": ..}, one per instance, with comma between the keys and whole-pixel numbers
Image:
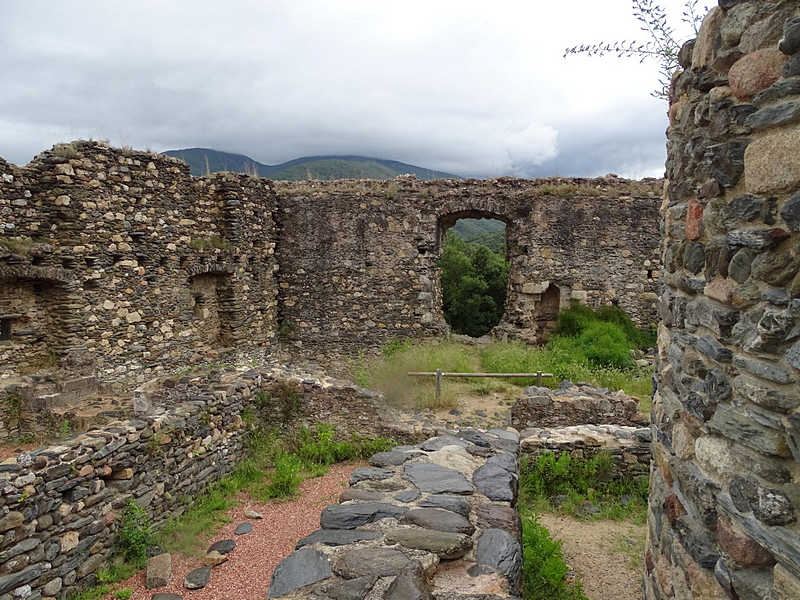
[
  {"x": 358, "y": 494},
  {"x": 437, "y": 479},
  {"x": 337, "y": 537},
  {"x": 445, "y": 544},
  {"x": 350, "y": 516},
  {"x": 439, "y": 520},
  {"x": 408, "y": 586},
  {"x": 252, "y": 514},
  {"x": 197, "y": 579},
  {"x": 243, "y": 528},
  {"x": 163, "y": 596},
  {"x": 392, "y": 458},
  {"x": 353, "y": 589},
  {"x": 437, "y": 443},
  {"x": 301, "y": 568},
  {"x": 159, "y": 571},
  {"x": 495, "y": 482},
  {"x": 456, "y": 504},
  {"x": 222, "y": 546},
  {"x": 369, "y": 474},
  {"x": 372, "y": 562},
  {"x": 498, "y": 550},
  {"x": 407, "y": 496}
]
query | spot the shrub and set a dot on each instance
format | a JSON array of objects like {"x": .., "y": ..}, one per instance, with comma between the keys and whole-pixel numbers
[
  {"x": 544, "y": 569},
  {"x": 286, "y": 478},
  {"x": 605, "y": 344},
  {"x": 135, "y": 533}
]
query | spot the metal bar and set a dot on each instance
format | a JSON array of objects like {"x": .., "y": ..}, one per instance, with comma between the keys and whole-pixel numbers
[
  {"x": 438, "y": 384},
  {"x": 439, "y": 373}
]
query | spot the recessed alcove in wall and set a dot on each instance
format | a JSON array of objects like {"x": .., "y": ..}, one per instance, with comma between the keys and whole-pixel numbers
[
  {"x": 212, "y": 298},
  {"x": 474, "y": 269}
]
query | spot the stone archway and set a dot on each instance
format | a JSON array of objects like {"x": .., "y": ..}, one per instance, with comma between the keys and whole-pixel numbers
[{"x": 547, "y": 311}]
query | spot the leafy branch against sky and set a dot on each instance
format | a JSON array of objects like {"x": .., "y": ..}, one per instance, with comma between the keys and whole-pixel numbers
[{"x": 660, "y": 44}]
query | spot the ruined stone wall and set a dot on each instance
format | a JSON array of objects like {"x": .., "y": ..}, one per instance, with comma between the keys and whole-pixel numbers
[
  {"x": 122, "y": 254},
  {"x": 725, "y": 487},
  {"x": 358, "y": 259}
]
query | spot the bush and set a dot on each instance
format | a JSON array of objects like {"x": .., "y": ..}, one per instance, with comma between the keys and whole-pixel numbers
[
  {"x": 544, "y": 569},
  {"x": 605, "y": 344},
  {"x": 135, "y": 533},
  {"x": 286, "y": 478}
]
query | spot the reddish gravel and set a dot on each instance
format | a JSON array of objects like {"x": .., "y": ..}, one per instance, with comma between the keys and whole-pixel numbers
[{"x": 246, "y": 573}]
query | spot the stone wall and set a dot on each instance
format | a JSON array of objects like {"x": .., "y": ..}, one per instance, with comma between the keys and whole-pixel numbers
[
  {"x": 435, "y": 520},
  {"x": 358, "y": 259},
  {"x": 628, "y": 447},
  {"x": 574, "y": 404},
  {"x": 124, "y": 255},
  {"x": 725, "y": 487},
  {"x": 60, "y": 504}
]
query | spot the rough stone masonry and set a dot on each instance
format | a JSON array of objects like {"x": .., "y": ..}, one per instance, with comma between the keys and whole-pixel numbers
[
  {"x": 725, "y": 485},
  {"x": 122, "y": 258}
]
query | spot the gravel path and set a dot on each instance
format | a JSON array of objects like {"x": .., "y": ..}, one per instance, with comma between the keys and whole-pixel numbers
[
  {"x": 246, "y": 574},
  {"x": 601, "y": 554}
]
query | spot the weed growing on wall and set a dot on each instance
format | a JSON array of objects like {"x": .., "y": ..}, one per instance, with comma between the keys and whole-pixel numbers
[{"x": 135, "y": 533}]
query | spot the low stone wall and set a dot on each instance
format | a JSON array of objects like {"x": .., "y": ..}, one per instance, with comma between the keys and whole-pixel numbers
[
  {"x": 59, "y": 505},
  {"x": 575, "y": 404},
  {"x": 435, "y": 520},
  {"x": 628, "y": 447}
]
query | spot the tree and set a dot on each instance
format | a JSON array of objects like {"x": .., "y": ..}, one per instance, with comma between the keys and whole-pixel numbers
[
  {"x": 661, "y": 44},
  {"x": 474, "y": 283}
]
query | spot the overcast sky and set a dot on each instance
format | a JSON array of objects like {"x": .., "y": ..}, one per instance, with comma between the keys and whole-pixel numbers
[{"x": 472, "y": 88}]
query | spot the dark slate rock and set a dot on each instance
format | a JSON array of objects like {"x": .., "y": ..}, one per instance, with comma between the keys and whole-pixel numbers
[
  {"x": 739, "y": 267},
  {"x": 790, "y": 213},
  {"x": 164, "y": 596},
  {"x": 409, "y": 585},
  {"x": 337, "y": 537},
  {"x": 407, "y": 496},
  {"x": 694, "y": 257},
  {"x": 727, "y": 160},
  {"x": 222, "y": 546},
  {"x": 350, "y": 516},
  {"x": 392, "y": 458},
  {"x": 197, "y": 579},
  {"x": 758, "y": 239},
  {"x": 14, "y": 580},
  {"x": 437, "y": 443},
  {"x": 456, "y": 504},
  {"x": 697, "y": 541},
  {"x": 436, "y": 479},
  {"x": 752, "y": 583},
  {"x": 353, "y": 589},
  {"x": 369, "y": 474},
  {"x": 475, "y": 437},
  {"x": 790, "y": 42},
  {"x": 711, "y": 347},
  {"x": 736, "y": 425},
  {"x": 498, "y": 516},
  {"x": 792, "y": 67},
  {"x": 495, "y": 482},
  {"x": 301, "y": 568},
  {"x": 504, "y": 460},
  {"x": 766, "y": 370},
  {"x": 743, "y": 208},
  {"x": 439, "y": 519},
  {"x": 372, "y": 562},
  {"x": 445, "y": 544},
  {"x": 243, "y": 528},
  {"x": 359, "y": 494},
  {"x": 498, "y": 550},
  {"x": 644, "y": 435},
  {"x": 773, "y": 116}
]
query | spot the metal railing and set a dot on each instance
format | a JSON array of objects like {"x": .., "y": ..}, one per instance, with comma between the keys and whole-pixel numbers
[{"x": 439, "y": 374}]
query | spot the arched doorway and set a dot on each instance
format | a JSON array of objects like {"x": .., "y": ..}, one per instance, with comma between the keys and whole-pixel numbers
[{"x": 547, "y": 311}]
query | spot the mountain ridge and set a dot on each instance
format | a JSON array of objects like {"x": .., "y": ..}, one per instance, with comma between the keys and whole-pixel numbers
[{"x": 203, "y": 161}]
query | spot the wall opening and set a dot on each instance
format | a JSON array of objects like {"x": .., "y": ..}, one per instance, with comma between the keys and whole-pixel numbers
[
  {"x": 473, "y": 271},
  {"x": 212, "y": 298},
  {"x": 547, "y": 311},
  {"x": 5, "y": 327}
]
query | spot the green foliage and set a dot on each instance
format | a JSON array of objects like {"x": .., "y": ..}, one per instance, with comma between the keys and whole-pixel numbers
[
  {"x": 286, "y": 478},
  {"x": 93, "y": 593},
  {"x": 604, "y": 344},
  {"x": 485, "y": 232},
  {"x": 474, "y": 281},
  {"x": 394, "y": 346},
  {"x": 124, "y": 593},
  {"x": 575, "y": 319},
  {"x": 17, "y": 245},
  {"x": 661, "y": 46},
  {"x": 577, "y": 481},
  {"x": 135, "y": 533},
  {"x": 543, "y": 567}
]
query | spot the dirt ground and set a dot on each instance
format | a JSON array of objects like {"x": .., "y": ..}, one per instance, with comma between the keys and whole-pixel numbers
[{"x": 606, "y": 556}]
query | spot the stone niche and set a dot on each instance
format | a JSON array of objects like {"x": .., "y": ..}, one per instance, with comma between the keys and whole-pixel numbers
[
  {"x": 212, "y": 297},
  {"x": 725, "y": 483}
]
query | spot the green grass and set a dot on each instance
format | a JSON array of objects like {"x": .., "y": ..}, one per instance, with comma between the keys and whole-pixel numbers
[
  {"x": 544, "y": 569},
  {"x": 274, "y": 468},
  {"x": 563, "y": 484}
]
